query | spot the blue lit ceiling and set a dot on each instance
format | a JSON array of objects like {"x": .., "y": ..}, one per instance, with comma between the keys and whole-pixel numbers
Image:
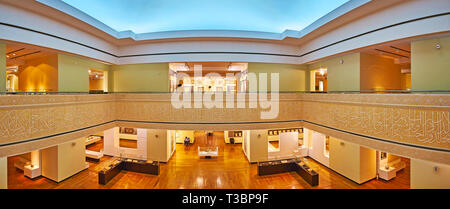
[{"x": 146, "y": 16}]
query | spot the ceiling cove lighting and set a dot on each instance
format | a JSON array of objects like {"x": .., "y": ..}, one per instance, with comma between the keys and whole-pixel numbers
[{"x": 147, "y": 16}]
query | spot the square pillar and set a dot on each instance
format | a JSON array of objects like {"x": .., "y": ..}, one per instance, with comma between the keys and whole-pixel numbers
[
  {"x": 64, "y": 160},
  {"x": 34, "y": 169},
  {"x": 158, "y": 145},
  {"x": 430, "y": 64},
  {"x": 258, "y": 146},
  {"x": 111, "y": 142},
  {"x": 429, "y": 175}
]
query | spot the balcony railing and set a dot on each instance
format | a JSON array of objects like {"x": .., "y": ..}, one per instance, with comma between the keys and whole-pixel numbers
[{"x": 281, "y": 92}]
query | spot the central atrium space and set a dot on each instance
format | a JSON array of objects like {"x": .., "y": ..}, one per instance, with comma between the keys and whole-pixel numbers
[{"x": 195, "y": 95}]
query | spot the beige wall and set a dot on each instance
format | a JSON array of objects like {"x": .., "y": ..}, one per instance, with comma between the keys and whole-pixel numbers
[
  {"x": 292, "y": 77},
  {"x": 423, "y": 175},
  {"x": 157, "y": 145},
  {"x": 182, "y": 134},
  {"x": 258, "y": 146},
  {"x": 40, "y": 74},
  {"x": 352, "y": 161},
  {"x": 73, "y": 72},
  {"x": 379, "y": 73},
  {"x": 3, "y": 172},
  {"x": 2, "y": 67},
  {"x": 367, "y": 164},
  {"x": 140, "y": 78},
  {"x": 64, "y": 160},
  {"x": 49, "y": 163},
  {"x": 341, "y": 77},
  {"x": 430, "y": 67},
  {"x": 71, "y": 158}
]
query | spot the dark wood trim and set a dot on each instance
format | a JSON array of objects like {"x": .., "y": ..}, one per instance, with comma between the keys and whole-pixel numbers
[
  {"x": 404, "y": 50},
  {"x": 18, "y": 50},
  {"x": 391, "y": 53},
  {"x": 23, "y": 55}
]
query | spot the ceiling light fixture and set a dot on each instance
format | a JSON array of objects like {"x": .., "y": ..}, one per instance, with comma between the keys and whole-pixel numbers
[{"x": 179, "y": 67}]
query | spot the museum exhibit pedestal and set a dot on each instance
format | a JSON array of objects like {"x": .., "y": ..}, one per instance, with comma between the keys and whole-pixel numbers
[
  {"x": 110, "y": 171},
  {"x": 31, "y": 172},
  {"x": 275, "y": 167},
  {"x": 307, "y": 174},
  {"x": 289, "y": 165},
  {"x": 387, "y": 174},
  {"x": 208, "y": 152},
  {"x": 139, "y": 166}
]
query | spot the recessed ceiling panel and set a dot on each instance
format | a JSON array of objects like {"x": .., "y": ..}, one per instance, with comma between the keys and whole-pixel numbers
[{"x": 145, "y": 16}]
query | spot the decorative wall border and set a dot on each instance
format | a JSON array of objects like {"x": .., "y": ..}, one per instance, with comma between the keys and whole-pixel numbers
[{"x": 52, "y": 117}]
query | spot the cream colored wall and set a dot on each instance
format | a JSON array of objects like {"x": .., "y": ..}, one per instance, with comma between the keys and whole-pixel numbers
[
  {"x": 71, "y": 158},
  {"x": 64, "y": 160},
  {"x": 341, "y": 77},
  {"x": 49, "y": 163},
  {"x": 367, "y": 164},
  {"x": 182, "y": 134},
  {"x": 3, "y": 172},
  {"x": 258, "y": 146},
  {"x": 292, "y": 77},
  {"x": 73, "y": 75},
  {"x": 379, "y": 73},
  {"x": 2, "y": 67},
  {"x": 246, "y": 144},
  {"x": 423, "y": 175},
  {"x": 140, "y": 78},
  {"x": 344, "y": 158},
  {"x": 157, "y": 145},
  {"x": 430, "y": 67},
  {"x": 352, "y": 161},
  {"x": 40, "y": 74},
  {"x": 317, "y": 149}
]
